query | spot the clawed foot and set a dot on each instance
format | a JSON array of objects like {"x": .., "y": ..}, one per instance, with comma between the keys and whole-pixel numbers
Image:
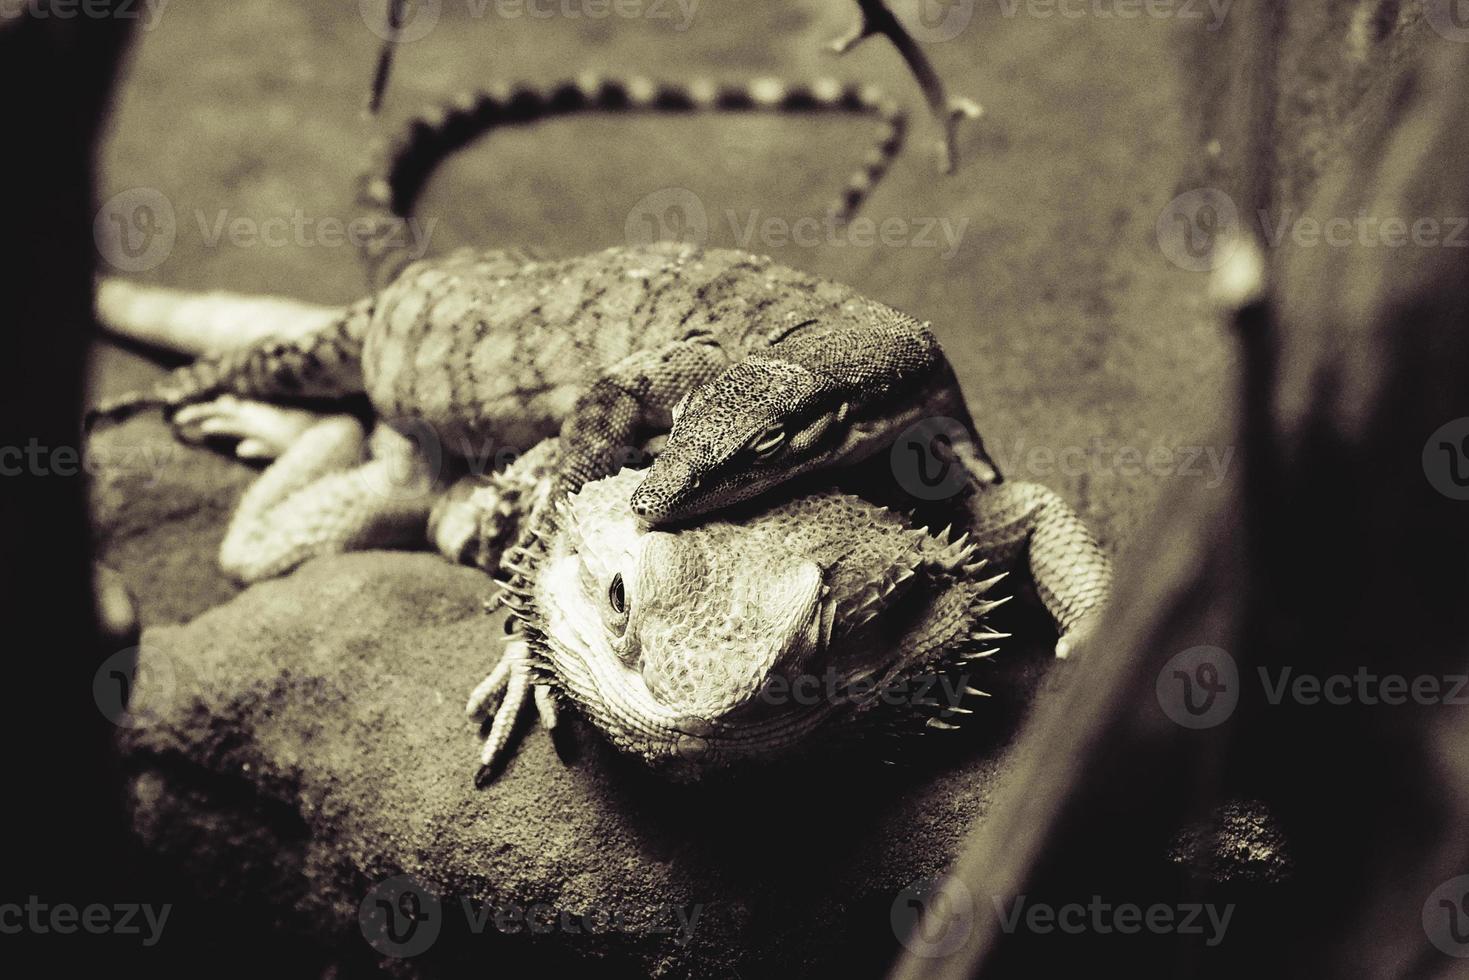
[
  {"x": 459, "y": 522},
  {"x": 876, "y": 19},
  {"x": 1078, "y": 637},
  {"x": 259, "y": 431},
  {"x": 499, "y": 699},
  {"x": 955, "y": 111}
]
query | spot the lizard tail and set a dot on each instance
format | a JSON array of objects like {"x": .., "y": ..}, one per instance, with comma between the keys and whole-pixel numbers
[
  {"x": 322, "y": 363},
  {"x": 200, "y": 323},
  {"x": 403, "y": 164}
]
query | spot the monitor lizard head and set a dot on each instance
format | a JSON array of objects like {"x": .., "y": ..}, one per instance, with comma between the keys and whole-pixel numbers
[
  {"x": 728, "y": 641},
  {"x": 760, "y": 423}
]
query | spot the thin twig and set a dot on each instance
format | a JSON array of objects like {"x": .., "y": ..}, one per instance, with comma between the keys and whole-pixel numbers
[
  {"x": 877, "y": 19},
  {"x": 397, "y": 13}
]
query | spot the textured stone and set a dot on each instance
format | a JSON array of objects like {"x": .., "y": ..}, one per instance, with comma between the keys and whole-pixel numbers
[{"x": 306, "y": 741}]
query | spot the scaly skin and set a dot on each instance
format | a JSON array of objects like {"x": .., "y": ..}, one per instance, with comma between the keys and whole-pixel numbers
[
  {"x": 831, "y": 395},
  {"x": 732, "y": 640},
  {"x": 464, "y": 356},
  {"x": 471, "y": 355}
]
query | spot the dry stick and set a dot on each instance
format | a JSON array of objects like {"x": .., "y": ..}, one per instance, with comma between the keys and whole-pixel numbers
[
  {"x": 397, "y": 13},
  {"x": 877, "y": 19}
]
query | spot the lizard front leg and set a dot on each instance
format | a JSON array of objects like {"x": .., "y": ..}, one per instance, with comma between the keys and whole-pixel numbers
[
  {"x": 605, "y": 424},
  {"x": 610, "y": 419},
  {"x": 1070, "y": 570}
]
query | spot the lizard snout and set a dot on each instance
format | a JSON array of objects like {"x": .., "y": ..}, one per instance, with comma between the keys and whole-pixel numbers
[{"x": 668, "y": 482}]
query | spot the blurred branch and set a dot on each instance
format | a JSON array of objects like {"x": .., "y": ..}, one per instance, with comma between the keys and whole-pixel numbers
[
  {"x": 875, "y": 19},
  {"x": 1341, "y": 550},
  {"x": 397, "y": 13}
]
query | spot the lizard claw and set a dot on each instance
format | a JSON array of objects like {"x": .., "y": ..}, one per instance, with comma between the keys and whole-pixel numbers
[
  {"x": 499, "y": 698},
  {"x": 1077, "y": 638},
  {"x": 259, "y": 431},
  {"x": 956, "y": 110},
  {"x": 859, "y": 32}
]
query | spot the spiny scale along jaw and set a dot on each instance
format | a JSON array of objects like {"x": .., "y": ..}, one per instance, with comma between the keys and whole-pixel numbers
[
  {"x": 692, "y": 650},
  {"x": 756, "y": 426}
]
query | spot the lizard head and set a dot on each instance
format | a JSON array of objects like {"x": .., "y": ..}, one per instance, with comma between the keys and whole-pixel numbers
[
  {"x": 689, "y": 649},
  {"x": 759, "y": 424}
]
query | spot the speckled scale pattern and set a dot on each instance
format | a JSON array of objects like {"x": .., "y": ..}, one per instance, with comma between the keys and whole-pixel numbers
[{"x": 720, "y": 607}]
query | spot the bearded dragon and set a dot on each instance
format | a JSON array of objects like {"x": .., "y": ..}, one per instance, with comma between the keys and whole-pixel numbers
[{"x": 742, "y": 638}]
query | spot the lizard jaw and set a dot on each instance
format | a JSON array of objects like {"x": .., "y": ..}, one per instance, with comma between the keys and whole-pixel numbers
[{"x": 664, "y": 492}]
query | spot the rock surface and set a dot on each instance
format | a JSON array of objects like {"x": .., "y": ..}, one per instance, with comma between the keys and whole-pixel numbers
[{"x": 305, "y": 742}]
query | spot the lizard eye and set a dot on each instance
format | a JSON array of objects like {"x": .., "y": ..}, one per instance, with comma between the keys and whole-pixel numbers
[
  {"x": 617, "y": 595},
  {"x": 768, "y": 442},
  {"x": 683, "y": 403}
]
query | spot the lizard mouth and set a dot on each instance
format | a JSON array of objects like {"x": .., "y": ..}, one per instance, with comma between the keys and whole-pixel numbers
[
  {"x": 665, "y": 489},
  {"x": 614, "y": 695}
]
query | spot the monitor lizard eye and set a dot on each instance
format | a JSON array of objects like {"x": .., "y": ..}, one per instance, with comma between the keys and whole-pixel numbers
[
  {"x": 768, "y": 441},
  {"x": 680, "y": 405}
]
